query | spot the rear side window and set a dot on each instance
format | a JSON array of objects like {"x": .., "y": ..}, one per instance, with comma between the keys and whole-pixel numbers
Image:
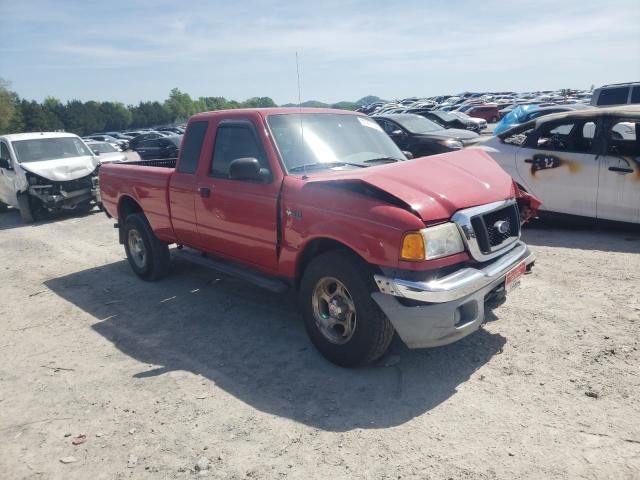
[
  {"x": 635, "y": 94},
  {"x": 191, "y": 146},
  {"x": 233, "y": 142},
  {"x": 613, "y": 96}
]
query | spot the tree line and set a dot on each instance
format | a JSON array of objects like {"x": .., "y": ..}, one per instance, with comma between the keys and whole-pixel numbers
[{"x": 83, "y": 118}]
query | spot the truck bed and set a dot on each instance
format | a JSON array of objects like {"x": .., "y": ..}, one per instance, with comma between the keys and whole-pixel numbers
[{"x": 144, "y": 182}]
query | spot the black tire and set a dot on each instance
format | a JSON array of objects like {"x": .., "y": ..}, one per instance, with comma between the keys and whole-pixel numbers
[
  {"x": 26, "y": 207},
  {"x": 3, "y": 207},
  {"x": 372, "y": 332},
  {"x": 153, "y": 264}
]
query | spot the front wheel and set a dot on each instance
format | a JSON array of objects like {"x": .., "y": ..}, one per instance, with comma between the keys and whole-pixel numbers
[
  {"x": 148, "y": 256},
  {"x": 341, "y": 318}
]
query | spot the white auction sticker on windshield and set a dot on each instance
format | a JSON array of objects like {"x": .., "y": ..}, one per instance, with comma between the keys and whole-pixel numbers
[{"x": 367, "y": 122}]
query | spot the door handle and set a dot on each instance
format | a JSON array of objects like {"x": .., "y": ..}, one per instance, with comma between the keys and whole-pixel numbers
[
  {"x": 205, "y": 192},
  {"x": 621, "y": 170}
]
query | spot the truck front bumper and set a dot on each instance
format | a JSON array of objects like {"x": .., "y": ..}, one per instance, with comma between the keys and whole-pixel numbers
[{"x": 445, "y": 309}]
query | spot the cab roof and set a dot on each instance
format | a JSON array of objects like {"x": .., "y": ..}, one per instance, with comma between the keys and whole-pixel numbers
[{"x": 265, "y": 112}]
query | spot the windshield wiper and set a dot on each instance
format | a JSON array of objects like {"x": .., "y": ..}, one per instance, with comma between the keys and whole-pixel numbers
[
  {"x": 311, "y": 166},
  {"x": 383, "y": 159}
]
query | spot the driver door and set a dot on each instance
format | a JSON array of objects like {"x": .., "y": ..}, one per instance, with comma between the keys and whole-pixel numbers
[
  {"x": 558, "y": 164},
  {"x": 238, "y": 218},
  {"x": 7, "y": 178}
]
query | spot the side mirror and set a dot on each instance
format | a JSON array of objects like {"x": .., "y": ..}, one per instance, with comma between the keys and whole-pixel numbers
[
  {"x": 407, "y": 155},
  {"x": 397, "y": 133},
  {"x": 247, "y": 168},
  {"x": 5, "y": 163},
  {"x": 96, "y": 152}
]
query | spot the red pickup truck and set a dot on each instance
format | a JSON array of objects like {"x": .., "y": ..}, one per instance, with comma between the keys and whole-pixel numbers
[{"x": 323, "y": 202}]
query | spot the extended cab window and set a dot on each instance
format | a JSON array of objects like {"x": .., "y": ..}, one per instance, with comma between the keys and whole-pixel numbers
[
  {"x": 191, "y": 146},
  {"x": 635, "y": 95},
  {"x": 235, "y": 141}
]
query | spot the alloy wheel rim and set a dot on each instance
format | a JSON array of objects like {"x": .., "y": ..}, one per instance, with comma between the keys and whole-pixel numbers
[
  {"x": 334, "y": 310},
  {"x": 136, "y": 248}
]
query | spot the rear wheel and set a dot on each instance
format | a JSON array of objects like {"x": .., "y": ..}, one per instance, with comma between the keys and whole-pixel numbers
[
  {"x": 148, "y": 256},
  {"x": 3, "y": 207},
  {"x": 341, "y": 318}
]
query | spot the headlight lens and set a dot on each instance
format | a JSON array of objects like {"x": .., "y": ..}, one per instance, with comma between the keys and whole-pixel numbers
[
  {"x": 452, "y": 144},
  {"x": 442, "y": 240},
  {"x": 431, "y": 243}
]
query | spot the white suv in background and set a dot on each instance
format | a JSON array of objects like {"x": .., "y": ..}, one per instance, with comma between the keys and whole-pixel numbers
[
  {"x": 584, "y": 163},
  {"x": 42, "y": 172}
]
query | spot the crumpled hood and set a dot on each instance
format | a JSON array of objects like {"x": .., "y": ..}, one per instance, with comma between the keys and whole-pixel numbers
[
  {"x": 64, "y": 169},
  {"x": 437, "y": 186}
]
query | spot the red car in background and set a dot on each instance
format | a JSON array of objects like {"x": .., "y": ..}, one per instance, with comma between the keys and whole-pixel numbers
[{"x": 488, "y": 111}]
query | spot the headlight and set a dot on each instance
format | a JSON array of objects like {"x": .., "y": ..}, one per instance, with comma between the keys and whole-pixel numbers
[
  {"x": 452, "y": 144},
  {"x": 431, "y": 243}
]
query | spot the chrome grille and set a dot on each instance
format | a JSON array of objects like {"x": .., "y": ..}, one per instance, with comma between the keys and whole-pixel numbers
[
  {"x": 489, "y": 230},
  {"x": 496, "y": 227}
]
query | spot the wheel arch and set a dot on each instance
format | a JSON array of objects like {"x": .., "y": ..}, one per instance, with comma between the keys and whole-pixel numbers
[
  {"x": 126, "y": 206},
  {"x": 318, "y": 246}
]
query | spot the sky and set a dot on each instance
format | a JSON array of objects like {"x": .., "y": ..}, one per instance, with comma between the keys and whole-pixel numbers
[{"x": 138, "y": 50}]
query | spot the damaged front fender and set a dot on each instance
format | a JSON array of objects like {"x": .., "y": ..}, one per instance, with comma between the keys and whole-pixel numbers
[{"x": 527, "y": 203}]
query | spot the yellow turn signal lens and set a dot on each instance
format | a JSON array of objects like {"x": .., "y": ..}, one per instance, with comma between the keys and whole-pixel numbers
[{"x": 413, "y": 247}]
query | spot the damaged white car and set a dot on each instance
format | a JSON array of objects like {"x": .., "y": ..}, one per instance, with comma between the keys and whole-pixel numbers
[{"x": 43, "y": 172}]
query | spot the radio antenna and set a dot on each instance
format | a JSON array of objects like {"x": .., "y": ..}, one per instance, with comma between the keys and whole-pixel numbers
[{"x": 304, "y": 162}]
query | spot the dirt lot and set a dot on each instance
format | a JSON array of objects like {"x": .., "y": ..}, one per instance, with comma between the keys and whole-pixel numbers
[{"x": 201, "y": 367}]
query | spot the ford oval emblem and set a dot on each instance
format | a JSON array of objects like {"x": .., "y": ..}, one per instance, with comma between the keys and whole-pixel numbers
[{"x": 501, "y": 226}]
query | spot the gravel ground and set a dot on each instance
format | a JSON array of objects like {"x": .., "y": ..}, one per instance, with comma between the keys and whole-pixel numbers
[{"x": 202, "y": 375}]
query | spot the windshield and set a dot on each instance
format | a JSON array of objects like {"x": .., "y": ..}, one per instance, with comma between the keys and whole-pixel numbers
[
  {"x": 41, "y": 149},
  {"x": 417, "y": 124},
  {"x": 317, "y": 139},
  {"x": 102, "y": 147}
]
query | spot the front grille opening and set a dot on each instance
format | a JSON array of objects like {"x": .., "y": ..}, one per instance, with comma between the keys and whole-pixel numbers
[{"x": 488, "y": 231}]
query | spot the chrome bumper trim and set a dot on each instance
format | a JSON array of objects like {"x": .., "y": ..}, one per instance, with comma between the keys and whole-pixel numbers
[{"x": 458, "y": 284}]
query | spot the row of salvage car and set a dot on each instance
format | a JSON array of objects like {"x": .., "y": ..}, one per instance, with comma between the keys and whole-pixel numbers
[
  {"x": 582, "y": 162},
  {"x": 578, "y": 162}
]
